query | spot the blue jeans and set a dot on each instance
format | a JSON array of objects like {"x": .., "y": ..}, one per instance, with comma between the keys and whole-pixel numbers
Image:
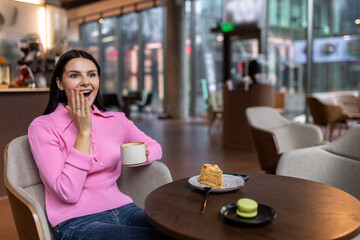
[{"x": 126, "y": 222}]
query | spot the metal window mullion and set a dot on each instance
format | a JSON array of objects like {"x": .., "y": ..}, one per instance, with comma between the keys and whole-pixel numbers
[
  {"x": 140, "y": 53},
  {"x": 164, "y": 104},
  {"x": 101, "y": 58},
  {"x": 193, "y": 62},
  {"x": 82, "y": 26},
  {"x": 309, "y": 51},
  {"x": 120, "y": 58}
]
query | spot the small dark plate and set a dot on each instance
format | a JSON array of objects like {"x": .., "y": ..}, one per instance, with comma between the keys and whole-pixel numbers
[{"x": 265, "y": 215}]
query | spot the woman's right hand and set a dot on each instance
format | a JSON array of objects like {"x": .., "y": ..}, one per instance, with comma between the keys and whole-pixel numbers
[{"x": 80, "y": 111}]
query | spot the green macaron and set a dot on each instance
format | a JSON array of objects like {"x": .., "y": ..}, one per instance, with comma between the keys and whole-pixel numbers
[{"x": 246, "y": 208}]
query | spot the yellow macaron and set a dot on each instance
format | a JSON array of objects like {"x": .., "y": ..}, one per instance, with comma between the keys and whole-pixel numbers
[{"x": 246, "y": 208}]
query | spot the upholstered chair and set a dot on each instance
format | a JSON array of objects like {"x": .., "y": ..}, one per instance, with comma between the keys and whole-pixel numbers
[
  {"x": 27, "y": 195},
  {"x": 336, "y": 163},
  {"x": 350, "y": 106},
  {"x": 327, "y": 115},
  {"x": 274, "y": 135}
]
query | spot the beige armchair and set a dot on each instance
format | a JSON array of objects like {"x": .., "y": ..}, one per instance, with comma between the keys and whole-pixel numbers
[
  {"x": 280, "y": 102},
  {"x": 326, "y": 115},
  {"x": 336, "y": 163},
  {"x": 27, "y": 196},
  {"x": 274, "y": 135},
  {"x": 350, "y": 106}
]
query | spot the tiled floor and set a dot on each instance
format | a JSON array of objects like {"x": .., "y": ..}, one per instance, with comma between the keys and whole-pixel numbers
[{"x": 186, "y": 144}]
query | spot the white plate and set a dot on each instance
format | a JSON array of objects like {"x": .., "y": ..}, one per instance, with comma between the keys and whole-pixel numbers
[
  {"x": 134, "y": 165},
  {"x": 229, "y": 183}
]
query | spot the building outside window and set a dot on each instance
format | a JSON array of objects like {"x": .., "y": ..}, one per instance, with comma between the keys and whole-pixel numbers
[
  {"x": 129, "y": 51},
  {"x": 153, "y": 58},
  {"x": 335, "y": 63},
  {"x": 203, "y": 51},
  {"x": 109, "y": 55},
  {"x": 90, "y": 35}
]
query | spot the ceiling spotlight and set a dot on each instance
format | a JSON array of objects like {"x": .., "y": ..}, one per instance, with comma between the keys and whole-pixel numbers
[
  {"x": 357, "y": 21},
  {"x": 101, "y": 20},
  {"x": 347, "y": 37},
  {"x": 121, "y": 11}
]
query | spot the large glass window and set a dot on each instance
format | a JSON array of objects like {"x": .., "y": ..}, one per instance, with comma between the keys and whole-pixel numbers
[
  {"x": 109, "y": 54},
  {"x": 129, "y": 51},
  {"x": 137, "y": 40},
  {"x": 286, "y": 51},
  {"x": 204, "y": 51},
  {"x": 90, "y": 36},
  {"x": 335, "y": 62},
  {"x": 152, "y": 24}
]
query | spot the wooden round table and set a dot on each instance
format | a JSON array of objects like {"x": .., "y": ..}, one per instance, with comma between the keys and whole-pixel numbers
[{"x": 305, "y": 210}]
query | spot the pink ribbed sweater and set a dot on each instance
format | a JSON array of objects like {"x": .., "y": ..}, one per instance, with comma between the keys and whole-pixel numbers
[{"x": 75, "y": 183}]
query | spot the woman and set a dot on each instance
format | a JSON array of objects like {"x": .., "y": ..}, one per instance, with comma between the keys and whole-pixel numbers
[{"x": 76, "y": 146}]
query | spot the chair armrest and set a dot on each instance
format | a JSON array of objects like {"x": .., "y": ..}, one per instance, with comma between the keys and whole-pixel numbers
[
  {"x": 317, "y": 164},
  {"x": 298, "y": 135},
  {"x": 139, "y": 182},
  {"x": 29, "y": 215},
  {"x": 334, "y": 113}
]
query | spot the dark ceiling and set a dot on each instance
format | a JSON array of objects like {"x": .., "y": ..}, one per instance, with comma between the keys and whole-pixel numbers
[{"x": 69, "y": 4}]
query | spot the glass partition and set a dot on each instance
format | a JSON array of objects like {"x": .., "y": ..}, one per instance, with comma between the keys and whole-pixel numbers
[
  {"x": 153, "y": 34},
  {"x": 129, "y": 51},
  {"x": 109, "y": 53},
  {"x": 203, "y": 52},
  {"x": 90, "y": 35},
  {"x": 286, "y": 51},
  {"x": 335, "y": 61}
]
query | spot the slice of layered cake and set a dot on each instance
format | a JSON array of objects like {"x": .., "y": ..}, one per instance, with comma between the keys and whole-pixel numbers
[{"x": 211, "y": 175}]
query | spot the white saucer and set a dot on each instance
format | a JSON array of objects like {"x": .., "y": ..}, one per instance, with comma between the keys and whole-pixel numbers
[
  {"x": 134, "y": 165},
  {"x": 230, "y": 183}
]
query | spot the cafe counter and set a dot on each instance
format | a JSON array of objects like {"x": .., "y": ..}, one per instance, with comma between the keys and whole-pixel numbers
[
  {"x": 236, "y": 131},
  {"x": 18, "y": 107}
]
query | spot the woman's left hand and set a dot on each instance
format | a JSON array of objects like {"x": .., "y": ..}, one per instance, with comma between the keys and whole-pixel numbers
[{"x": 147, "y": 154}]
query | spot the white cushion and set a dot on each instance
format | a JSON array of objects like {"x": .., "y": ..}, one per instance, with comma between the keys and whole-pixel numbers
[
  {"x": 348, "y": 145},
  {"x": 336, "y": 164}
]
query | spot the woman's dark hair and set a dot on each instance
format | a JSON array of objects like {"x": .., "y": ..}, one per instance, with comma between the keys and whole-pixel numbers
[{"x": 58, "y": 96}]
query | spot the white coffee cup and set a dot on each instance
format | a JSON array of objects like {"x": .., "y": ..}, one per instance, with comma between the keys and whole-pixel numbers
[{"x": 133, "y": 154}]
